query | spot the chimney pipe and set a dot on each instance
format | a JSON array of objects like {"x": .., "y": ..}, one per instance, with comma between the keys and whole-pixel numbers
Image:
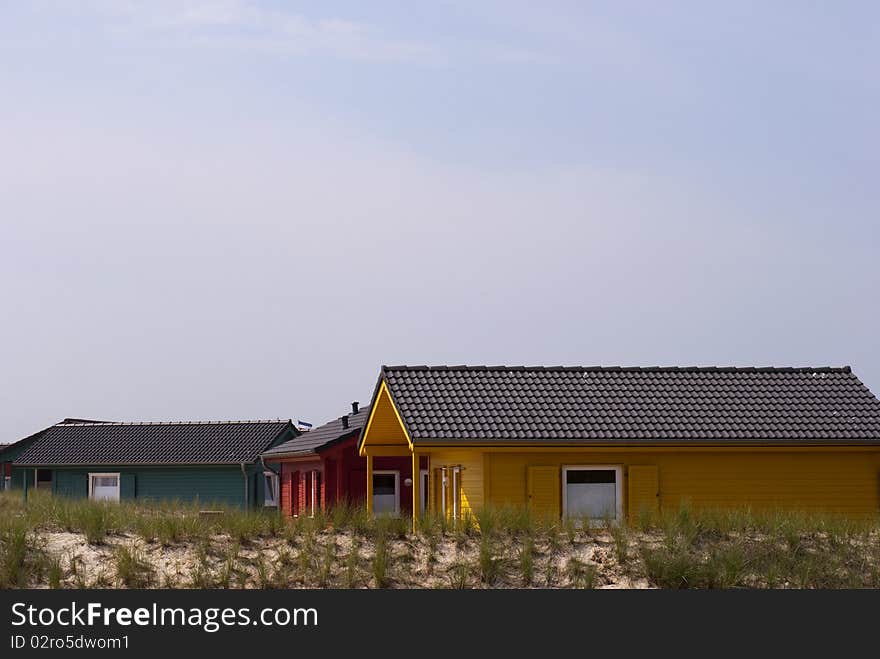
[
  {"x": 345, "y": 422},
  {"x": 354, "y": 407}
]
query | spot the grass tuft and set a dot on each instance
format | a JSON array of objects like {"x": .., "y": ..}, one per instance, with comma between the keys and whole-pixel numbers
[{"x": 132, "y": 568}]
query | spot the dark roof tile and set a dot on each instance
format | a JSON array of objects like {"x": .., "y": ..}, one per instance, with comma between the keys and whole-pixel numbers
[
  {"x": 309, "y": 442},
  {"x": 103, "y": 443},
  {"x": 485, "y": 403}
]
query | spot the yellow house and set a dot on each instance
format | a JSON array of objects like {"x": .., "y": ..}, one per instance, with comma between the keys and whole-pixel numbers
[{"x": 611, "y": 442}]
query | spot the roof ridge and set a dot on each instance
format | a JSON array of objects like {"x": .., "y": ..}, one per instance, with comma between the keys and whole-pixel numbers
[
  {"x": 172, "y": 423},
  {"x": 628, "y": 369}
]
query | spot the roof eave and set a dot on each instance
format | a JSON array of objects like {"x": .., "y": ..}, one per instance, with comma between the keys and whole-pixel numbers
[
  {"x": 101, "y": 463},
  {"x": 288, "y": 454},
  {"x": 642, "y": 442}
]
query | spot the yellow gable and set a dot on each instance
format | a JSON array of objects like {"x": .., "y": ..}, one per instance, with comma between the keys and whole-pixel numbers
[{"x": 385, "y": 429}]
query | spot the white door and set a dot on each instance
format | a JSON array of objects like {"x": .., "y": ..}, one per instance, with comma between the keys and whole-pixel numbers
[
  {"x": 104, "y": 487},
  {"x": 386, "y": 494}
]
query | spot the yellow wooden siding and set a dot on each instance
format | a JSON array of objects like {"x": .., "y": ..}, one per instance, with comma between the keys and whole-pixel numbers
[
  {"x": 542, "y": 489},
  {"x": 797, "y": 479},
  {"x": 384, "y": 428},
  {"x": 471, "y": 478},
  {"x": 643, "y": 492}
]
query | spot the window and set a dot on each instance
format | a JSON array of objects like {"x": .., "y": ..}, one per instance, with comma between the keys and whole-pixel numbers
[
  {"x": 593, "y": 492},
  {"x": 104, "y": 487},
  {"x": 386, "y": 492},
  {"x": 43, "y": 479},
  {"x": 447, "y": 491},
  {"x": 270, "y": 488}
]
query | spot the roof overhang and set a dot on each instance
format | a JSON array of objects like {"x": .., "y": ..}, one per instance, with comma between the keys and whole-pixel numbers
[
  {"x": 289, "y": 454},
  {"x": 101, "y": 463},
  {"x": 620, "y": 444}
]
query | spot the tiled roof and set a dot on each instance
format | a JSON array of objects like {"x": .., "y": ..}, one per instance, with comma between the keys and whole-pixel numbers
[
  {"x": 503, "y": 403},
  {"x": 103, "y": 443},
  {"x": 309, "y": 442}
]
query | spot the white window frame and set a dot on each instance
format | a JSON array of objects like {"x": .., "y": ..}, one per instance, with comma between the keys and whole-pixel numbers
[
  {"x": 396, "y": 487},
  {"x": 274, "y": 480},
  {"x": 424, "y": 490},
  {"x": 92, "y": 474},
  {"x": 618, "y": 487}
]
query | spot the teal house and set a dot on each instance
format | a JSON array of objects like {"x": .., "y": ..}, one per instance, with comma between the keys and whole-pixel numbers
[{"x": 208, "y": 463}]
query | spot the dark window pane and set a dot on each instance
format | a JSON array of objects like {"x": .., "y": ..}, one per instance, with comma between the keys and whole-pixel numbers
[
  {"x": 383, "y": 484},
  {"x": 590, "y": 476}
]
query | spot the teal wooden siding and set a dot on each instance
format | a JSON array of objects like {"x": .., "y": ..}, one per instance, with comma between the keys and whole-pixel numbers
[
  {"x": 216, "y": 485},
  {"x": 70, "y": 483},
  {"x": 207, "y": 485},
  {"x": 126, "y": 486},
  {"x": 19, "y": 476}
]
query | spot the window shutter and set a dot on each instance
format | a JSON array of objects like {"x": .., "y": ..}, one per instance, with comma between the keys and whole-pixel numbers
[
  {"x": 543, "y": 491},
  {"x": 643, "y": 492}
]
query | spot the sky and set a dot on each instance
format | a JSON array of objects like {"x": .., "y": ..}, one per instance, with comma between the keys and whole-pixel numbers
[{"x": 236, "y": 210}]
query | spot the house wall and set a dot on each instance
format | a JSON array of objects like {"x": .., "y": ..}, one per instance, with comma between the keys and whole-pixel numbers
[
  {"x": 808, "y": 479},
  {"x": 471, "y": 487},
  {"x": 6, "y": 458},
  {"x": 221, "y": 485},
  {"x": 343, "y": 477},
  {"x": 346, "y": 473},
  {"x": 294, "y": 484},
  {"x": 404, "y": 467}
]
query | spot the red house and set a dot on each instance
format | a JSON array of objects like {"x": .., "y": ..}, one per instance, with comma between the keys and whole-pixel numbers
[{"x": 322, "y": 468}]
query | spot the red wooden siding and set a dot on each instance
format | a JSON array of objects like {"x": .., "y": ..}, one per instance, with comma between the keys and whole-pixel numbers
[{"x": 342, "y": 477}]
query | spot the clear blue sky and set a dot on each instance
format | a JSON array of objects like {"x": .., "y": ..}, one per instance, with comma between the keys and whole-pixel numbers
[{"x": 241, "y": 209}]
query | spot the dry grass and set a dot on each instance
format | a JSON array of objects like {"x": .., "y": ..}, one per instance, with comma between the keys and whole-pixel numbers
[{"x": 60, "y": 543}]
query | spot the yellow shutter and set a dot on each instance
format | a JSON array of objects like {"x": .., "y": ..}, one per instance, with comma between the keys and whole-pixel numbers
[
  {"x": 643, "y": 493},
  {"x": 543, "y": 491}
]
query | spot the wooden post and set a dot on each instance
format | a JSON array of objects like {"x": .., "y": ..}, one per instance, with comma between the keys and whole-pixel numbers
[
  {"x": 416, "y": 490},
  {"x": 369, "y": 484}
]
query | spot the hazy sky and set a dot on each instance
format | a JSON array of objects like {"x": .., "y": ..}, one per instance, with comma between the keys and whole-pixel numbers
[{"x": 235, "y": 210}]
